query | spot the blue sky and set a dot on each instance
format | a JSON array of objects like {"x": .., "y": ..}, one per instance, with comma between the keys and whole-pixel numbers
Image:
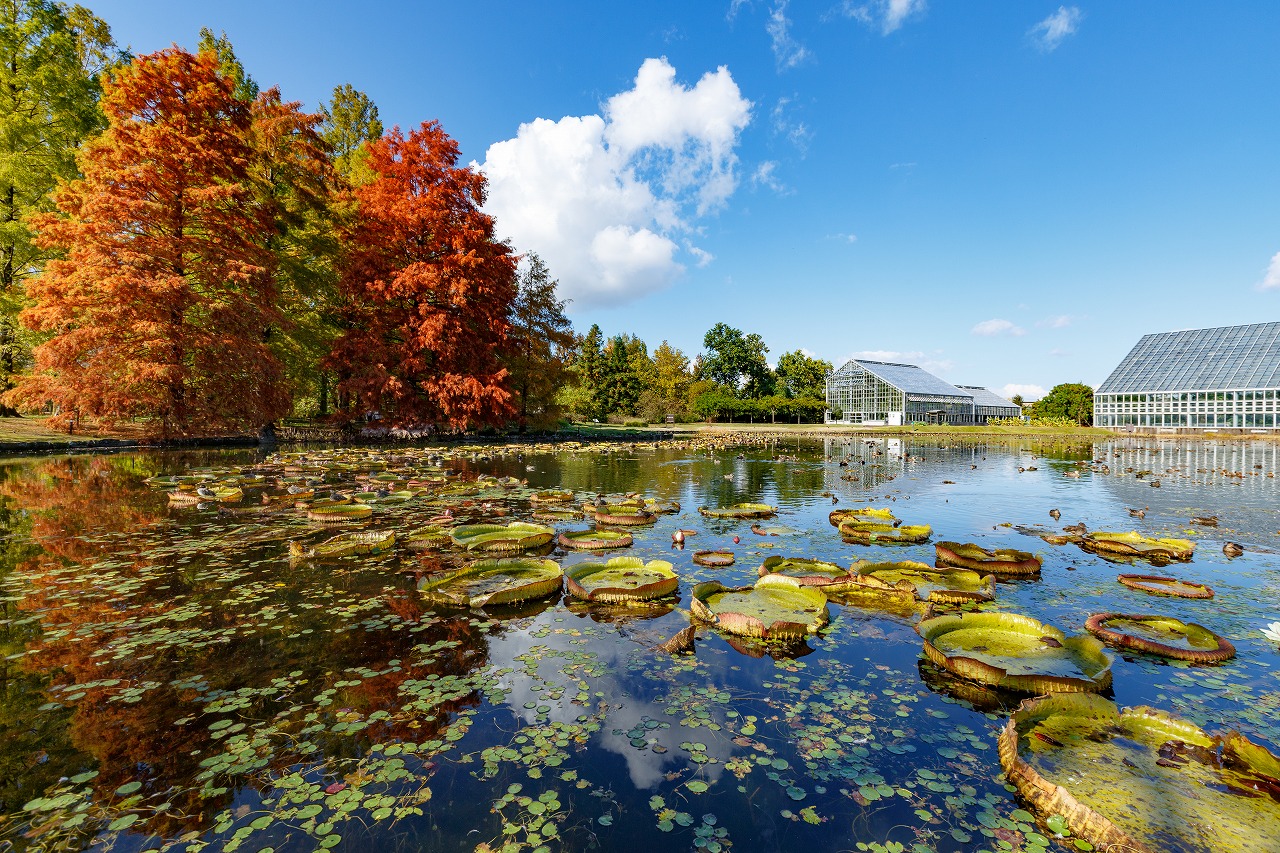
[{"x": 1008, "y": 193}]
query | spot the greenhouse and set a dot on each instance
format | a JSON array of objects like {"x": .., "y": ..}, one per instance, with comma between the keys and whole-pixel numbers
[
  {"x": 881, "y": 393},
  {"x": 1226, "y": 378}
]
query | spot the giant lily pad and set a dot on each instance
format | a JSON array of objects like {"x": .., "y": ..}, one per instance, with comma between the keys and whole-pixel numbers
[
  {"x": 776, "y": 607},
  {"x": 551, "y": 496},
  {"x": 1140, "y": 780},
  {"x": 1134, "y": 544},
  {"x": 743, "y": 510},
  {"x": 516, "y": 536},
  {"x": 424, "y": 538},
  {"x": 494, "y": 582},
  {"x": 878, "y": 532},
  {"x": 624, "y": 515},
  {"x": 864, "y": 513},
  {"x": 1161, "y": 585},
  {"x": 622, "y": 579},
  {"x": 1160, "y": 635},
  {"x": 339, "y": 513},
  {"x": 365, "y": 542},
  {"x": 1016, "y": 653},
  {"x": 595, "y": 540},
  {"x": 806, "y": 570},
  {"x": 713, "y": 558},
  {"x": 912, "y": 580},
  {"x": 999, "y": 561}
]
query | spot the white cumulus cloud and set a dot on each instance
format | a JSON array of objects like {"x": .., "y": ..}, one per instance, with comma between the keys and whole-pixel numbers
[
  {"x": 1061, "y": 321},
  {"x": 884, "y": 15},
  {"x": 1050, "y": 32},
  {"x": 1271, "y": 281},
  {"x": 1028, "y": 392},
  {"x": 608, "y": 200},
  {"x": 992, "y": 328}
]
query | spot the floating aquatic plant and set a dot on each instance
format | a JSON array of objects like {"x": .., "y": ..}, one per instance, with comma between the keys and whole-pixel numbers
[
  {"x": 621, "y": 580},
  {"x": 494, "y": 582},
  {"x": 1160, "y": 635},
  {"x": 1016, "y": 652},
  {"x": 777, "y": 606},
  {"x": 1000, "y": 561},
  {"x": 1139, "y": 779}
]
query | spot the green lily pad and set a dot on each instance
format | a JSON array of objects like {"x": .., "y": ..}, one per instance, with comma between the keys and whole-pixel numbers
[
  {"x": 621, "y": 579},
  {"x": 742, "y": 510},
  {"x": 911, "y": 580},
  {"x": 1140, "y": 779},
  {"x": 595, "y": 540},
  {"x": 423, "y": 538},
  {"x": 1016, "y": 652},
  {"x": 998, "y": 561},
  {"x": 516, "y": 536},
  {"x": 364, "y": 542},
  {"x": 862, "y": 513},
  {"x": 339, "y": 513},
  {"x": 777, "y": 606},
  {"x": 880, "y": 532},
  {"x": 1134, "y": 544},
  {"x": 494, "y": 582},
  {"x": 1160, "y": 635},
  {"x": 1161, "y": 585}
]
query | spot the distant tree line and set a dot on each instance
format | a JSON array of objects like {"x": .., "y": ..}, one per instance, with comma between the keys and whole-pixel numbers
[{"x": 617, "y": 378}]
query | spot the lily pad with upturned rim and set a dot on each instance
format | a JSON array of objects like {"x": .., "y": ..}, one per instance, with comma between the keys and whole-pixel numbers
[
  {"x": 339, "y": 513},
  {"x": 623, "y": 515},
  {"x": 776, "y": 607},
  {"x": 1161, "y": 585},
  {"x": 423, "y": 538},
  {"x": 713, "y": 558},
  {"x": 494, "y": 582},
  {"x": 807, "y": 570},
  {"x": 875, "y": 532},
  {"x": 344, "y": 544},
  {"x": 1140, "y": 780},
  {"x": 865, "y": 513},
  {"x": 551, "y": 496},
  {"x": 742, "y": 510},
  {"x": 516, "y": 536},
  {"x": 999, "y": 561},
  {"x": 912, "y": 580},
  {"x": 594, "y": 540},
  {"x": 1016, "y": 652},
  {"x": 1134, "y": 544},
  {"x": 621, "y": 580},
  {"x": 1160, "y": 635}
]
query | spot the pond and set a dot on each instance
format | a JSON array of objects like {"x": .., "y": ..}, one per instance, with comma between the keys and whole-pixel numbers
[{"x": 176, "y": 677}]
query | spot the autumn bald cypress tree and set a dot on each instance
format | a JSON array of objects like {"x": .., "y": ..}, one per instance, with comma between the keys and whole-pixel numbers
[
  {"x": 160, "y": 307},
  {"x": 426, "y": 289}
]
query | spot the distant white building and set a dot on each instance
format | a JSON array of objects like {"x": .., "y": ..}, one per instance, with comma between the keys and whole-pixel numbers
[{"x": 882, "y": 393}]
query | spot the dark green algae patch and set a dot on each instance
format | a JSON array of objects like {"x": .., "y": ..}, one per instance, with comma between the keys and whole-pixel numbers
[{"x": 173, "y": 681}]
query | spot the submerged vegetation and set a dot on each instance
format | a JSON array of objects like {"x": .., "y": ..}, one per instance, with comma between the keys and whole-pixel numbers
[{"x": 249, "y": 673}]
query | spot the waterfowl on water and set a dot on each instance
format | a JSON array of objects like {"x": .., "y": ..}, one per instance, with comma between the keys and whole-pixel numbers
[
  {"x": 1139, "y": 513},
  {"x": 1205, "y": 520},
  {"x": 1055, "y": 514},
  {"x": 1078, "y": 528},
  {"x": 1233, "y": 549}
]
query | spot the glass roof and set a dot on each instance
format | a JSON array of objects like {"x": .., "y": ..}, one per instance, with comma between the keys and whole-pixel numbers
[
  {"x": 1226, "y": 358},
  {"x": 909, "y": 378},
  {"x": 984, "y": 397}
]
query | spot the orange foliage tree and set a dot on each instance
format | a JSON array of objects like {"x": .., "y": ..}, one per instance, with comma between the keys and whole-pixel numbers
[
  {"x": 162, "y": 303},
  {"x": 426, "y": 289}
]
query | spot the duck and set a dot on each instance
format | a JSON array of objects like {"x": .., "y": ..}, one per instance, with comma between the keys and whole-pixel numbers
[
  {"x": 1077, "y": 529},
  {"x": 1139, "y": 513},
  {"x": 1233, "y": 549},
  {"x": 1055, "y": 513},
  {"x": 1205, "y": 520}
]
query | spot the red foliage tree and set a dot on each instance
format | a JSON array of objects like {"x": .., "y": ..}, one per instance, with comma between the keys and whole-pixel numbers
[
  {"x": 425, "y": 288},
  {"x": 160, "y": 308}
]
